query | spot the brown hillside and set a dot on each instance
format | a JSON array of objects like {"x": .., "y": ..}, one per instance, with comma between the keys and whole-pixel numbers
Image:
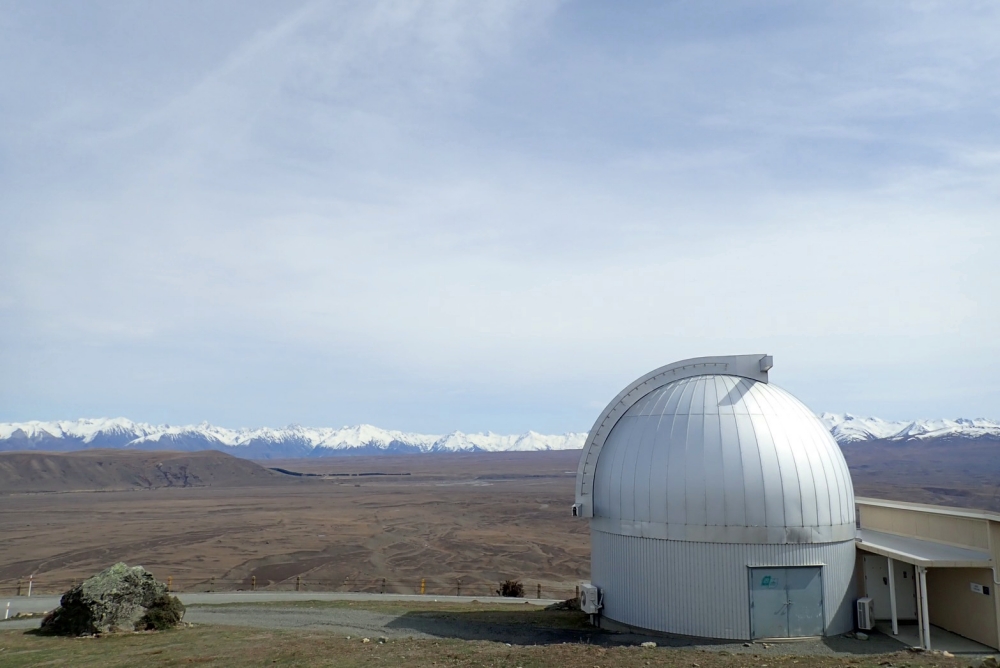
[{"x": 121, "y": 469}]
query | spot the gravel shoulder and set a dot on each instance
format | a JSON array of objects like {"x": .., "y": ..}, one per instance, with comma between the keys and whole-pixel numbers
[
  {"x": 517, "y": 622},
  {"x": 496, "y": 622}
]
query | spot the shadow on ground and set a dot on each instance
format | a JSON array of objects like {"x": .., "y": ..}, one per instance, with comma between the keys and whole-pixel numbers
[
  {"x": 517, "y": 628},
  {"x": 547, "y": 628}
]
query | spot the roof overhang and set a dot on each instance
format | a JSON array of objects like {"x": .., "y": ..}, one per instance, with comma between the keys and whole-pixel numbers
[
  {"x": 921, "y": 552},
  {"x": 970, "y": 513},
  {"x": 754, "y": 367}
]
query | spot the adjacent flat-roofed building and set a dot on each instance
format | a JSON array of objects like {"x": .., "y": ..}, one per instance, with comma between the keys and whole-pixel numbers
[
  {"x": 719, "y": 506},
  {"x": 944, "y": 570}
]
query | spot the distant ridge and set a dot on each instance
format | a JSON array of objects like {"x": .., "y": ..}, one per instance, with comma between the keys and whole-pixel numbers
[
  {"x": 297, "y": 441},
  {"x": 101, "y": 469}
]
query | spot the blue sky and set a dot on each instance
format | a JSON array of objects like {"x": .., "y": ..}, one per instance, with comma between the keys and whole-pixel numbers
[{"x": 493, "y": 216}]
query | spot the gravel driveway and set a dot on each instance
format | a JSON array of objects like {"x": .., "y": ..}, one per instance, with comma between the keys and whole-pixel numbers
[
  {"x": 245, "y": 609},
  {"x": 480, "y": 626}
]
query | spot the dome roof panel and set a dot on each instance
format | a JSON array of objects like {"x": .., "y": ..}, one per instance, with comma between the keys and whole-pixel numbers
[{"x": 726, "y": 459}]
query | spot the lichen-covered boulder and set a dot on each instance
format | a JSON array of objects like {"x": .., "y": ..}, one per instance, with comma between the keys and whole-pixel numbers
[{"x": 117, "y": 599}]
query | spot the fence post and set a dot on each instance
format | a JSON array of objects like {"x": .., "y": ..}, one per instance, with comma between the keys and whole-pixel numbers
[
  {"x": 211, "y": 584},
  {"x": 577, "y": 594},
  {"x": 31, "y": 581},
  {"x": 459, "y": 586},
  {"x": 423, "y": 586},
  {"x": 298, "y": 582},
  {"x": 19, "y": 586},
  {"x": 383, "y": 585},
  {"x": 170, "y": 583},
  {"x": 253, "y": 583},
  {"x": 539, "y": 590}
]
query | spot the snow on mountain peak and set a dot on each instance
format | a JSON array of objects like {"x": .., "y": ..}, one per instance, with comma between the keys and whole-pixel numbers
[
  {"x": 847, "y": 428},
  {"x": 299, "y": 441}
]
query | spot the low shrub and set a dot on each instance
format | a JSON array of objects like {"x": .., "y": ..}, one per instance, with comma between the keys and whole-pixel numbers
[
  {"x": 511, "y": 588},
  {"x": 166, "y": 612}
]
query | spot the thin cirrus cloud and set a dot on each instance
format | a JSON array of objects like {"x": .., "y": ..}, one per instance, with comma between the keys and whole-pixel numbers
[{"x": 435, "y": 216}]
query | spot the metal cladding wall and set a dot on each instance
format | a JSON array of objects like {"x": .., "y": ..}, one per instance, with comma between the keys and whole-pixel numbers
[{"x": 703, "y": 589}]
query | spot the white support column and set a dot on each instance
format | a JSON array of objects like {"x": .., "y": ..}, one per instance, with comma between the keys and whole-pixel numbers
[
  {"x": 920, "y": 609},
  {"x": 892, "y": 597},
  {"x": 925, "y": 622}
]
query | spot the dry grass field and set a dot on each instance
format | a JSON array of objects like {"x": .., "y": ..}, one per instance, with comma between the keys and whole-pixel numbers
[
  {"x": 421, "y": 633},
  {"x": 475, "y": 518},
  {"x": 958, "y": 472},
  {"x": 456, "y": 520}
]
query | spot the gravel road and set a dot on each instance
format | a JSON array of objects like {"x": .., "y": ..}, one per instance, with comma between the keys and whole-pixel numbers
[
  {"x": 36, "y": 604},
  {"x": 473, "y": 625}
]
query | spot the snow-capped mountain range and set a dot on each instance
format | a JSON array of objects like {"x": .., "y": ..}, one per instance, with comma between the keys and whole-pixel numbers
[
  {"x": 847, "y": 428},
  {"x": 264, "y": 442},
  {"x": 297, "y": 441}
]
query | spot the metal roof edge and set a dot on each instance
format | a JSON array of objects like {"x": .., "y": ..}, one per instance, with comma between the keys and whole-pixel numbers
[
  {"x": 872, "y": 540},
  {"x": 753, "y": 367},
  {"x": 970, "y": 513}
]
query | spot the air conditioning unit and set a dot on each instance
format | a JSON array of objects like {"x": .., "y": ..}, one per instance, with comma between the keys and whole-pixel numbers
[
  {"x": 590, "y": 598},
  {"x": 866, "y": 613}
]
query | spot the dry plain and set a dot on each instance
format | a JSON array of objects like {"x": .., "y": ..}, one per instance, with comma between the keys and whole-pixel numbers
[
  {"x": 455, "y": 520},
  {"x": 461, "y": 522}
]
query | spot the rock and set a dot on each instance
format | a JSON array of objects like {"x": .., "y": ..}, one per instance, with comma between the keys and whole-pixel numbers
[
  {"x": 989, "y": 662},
  {"x": 948, "y": 655},
  {"x": 861, "y": 635},
  {"x": 383, "y": 640},
  {"x": 366, "y": 640},
  {"x": 117, "y": 599},
  {"x": 648, "y": 645},
  {"x": 746, "y": 644}
]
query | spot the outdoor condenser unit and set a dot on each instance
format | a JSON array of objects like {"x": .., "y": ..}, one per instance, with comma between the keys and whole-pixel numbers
[
  {"x": 866, "y": 613},
  {"x": 590, "y": 598}
]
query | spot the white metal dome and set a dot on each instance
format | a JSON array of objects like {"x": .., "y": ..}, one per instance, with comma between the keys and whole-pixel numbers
[
  {"x": 716, "y": 457},
  {"x": 720, "y": 506},
  {"x": 723, "y": 459}
]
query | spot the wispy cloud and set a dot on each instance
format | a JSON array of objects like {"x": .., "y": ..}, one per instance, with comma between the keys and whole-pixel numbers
[{"x": 443, "y": 215}]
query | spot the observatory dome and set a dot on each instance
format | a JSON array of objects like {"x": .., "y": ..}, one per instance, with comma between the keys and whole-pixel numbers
[
  {"x": 721, "y": 458},
  {"x": 719, "y": 506}
]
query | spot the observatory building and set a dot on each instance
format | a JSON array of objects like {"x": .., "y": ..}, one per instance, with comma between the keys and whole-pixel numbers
[{"x": 719, "y": 506}]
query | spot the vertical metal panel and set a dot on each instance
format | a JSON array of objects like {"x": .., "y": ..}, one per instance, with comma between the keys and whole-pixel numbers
[
  {"x": 658, "y": 471},
  {"x": 643, "y": 468},
  {"x": 675, "y": 468},
  {"x": 695, "y": 501},
  {"x": 742, "y": 483},
  {"x": 717, "y": 492},
  {"x": 613, "y": 460},
  {"x": 722, "y": 458},
  {"x": 702, "y": 589},
  {"x": 629, "y": 470}
]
